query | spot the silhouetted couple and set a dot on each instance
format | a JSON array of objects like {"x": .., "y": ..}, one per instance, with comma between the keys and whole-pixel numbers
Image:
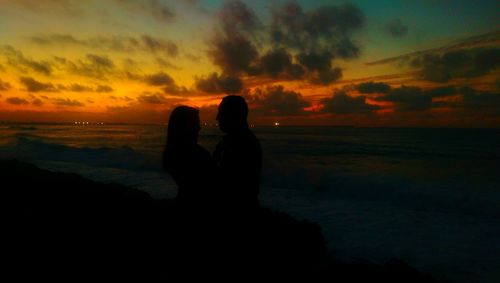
[
  {"x": 228, "y": 179},
  {"x": 221, "y": 229}
]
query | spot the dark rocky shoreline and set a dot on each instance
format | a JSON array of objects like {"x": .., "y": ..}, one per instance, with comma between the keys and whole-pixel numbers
[{"x": 63, "y": 227}]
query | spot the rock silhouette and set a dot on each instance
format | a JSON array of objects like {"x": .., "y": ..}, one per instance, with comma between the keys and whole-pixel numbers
[{"x": 63, "y": 227}]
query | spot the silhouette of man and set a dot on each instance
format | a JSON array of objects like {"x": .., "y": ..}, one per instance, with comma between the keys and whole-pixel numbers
[{"x": 238, "y": 156}]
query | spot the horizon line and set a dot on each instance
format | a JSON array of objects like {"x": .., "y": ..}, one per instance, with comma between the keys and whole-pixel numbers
[{"x": 210, "y": 125}]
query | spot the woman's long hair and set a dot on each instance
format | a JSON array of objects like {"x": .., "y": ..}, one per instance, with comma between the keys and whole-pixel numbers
[{"x": 182, "y": 132}]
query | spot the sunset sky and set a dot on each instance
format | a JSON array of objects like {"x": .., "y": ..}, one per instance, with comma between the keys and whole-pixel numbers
[{"x": 363, "y": 63}]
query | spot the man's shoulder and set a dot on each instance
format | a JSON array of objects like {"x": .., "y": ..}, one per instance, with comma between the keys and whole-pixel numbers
[
  {"x": 245, "y": 137},
  {"x": 250, "y": 143},
  {"x": 201, "y": 150},
  {"x": 253, "y": 136},
  {"x": 254, "y": 140}
]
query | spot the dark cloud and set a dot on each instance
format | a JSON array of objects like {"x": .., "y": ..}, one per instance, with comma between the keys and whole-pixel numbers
[
  {"x": 17, "y": 59},
  {"x": 43, "y": 67},
  {"x": 219, "y": 84},
  {"x": 326, "y": 28},
  {"x": 304, "y": 44},
  {"x": 488, "y": 40},
  {"x": 67, "y": 102},
  {"x": 347, "y": 49},
  {"x": 106, "y": 43},
  {"x": 319, "y": 66},
  {"x": 396, "y": 28},
  {"x": 17, "y": 101},
  {"x": 129, "y": 63},
  {"x": 175, "y": 89},
  {"x": 157, "y": 98},
  {"x": 234, "y": 54},
  {"x": 103, "y": 88},
  {"x": 275, "y": 62},
  {"x": 66, "y": 8},
  {"x": 277, "y": 101},
  {"x": 166, "y": 82},
  {"x": 287, "y": 25},
  {"x": 133, "y": 76},
  {"x": 4, "y": 85},
  {"x": 159, "y": 10},
  {"x": 74, "y": 87},
  {"x": 152, "y": 98},
  {"x": 153, "y": 8},
  {"x": 36, "y": 86},
  {"x": 231, "y": 47},
  {"x": 414, "y": 99},
  {"x": 325, "y": 77},
  {"x": 118, "y": 43},
  {"x": 193, "y": 57},
  {"x": 457, "y": 64},
  {"x": 466, "y": 58},
  {"x": 408, "y": 98},
  {"x": 156, "y": 45},
  {"x": 122, "y": 98},
  {"x": 59, "y": 39},
  {"x": 101, "y": 61},
  {"x": 37, "y": 102},
  {"x": 468, "y": 101},
  {"x": 278, "y": 63},
  {"x": 316, "y": 61},
  {"x": 341, "y": 103},
  {"x": 159, "y": 79},
  {"x": 60, "y": 60},
  {"x": 165, "y": 63},
  {"x": 94, "y": 66},
  {"x": 472, "y": 99},
  {"x": 236, "y": 17},
  {"x": 373, "y": 87},
  {"x": 441, "y": 91},
  {"x": 79, "y": 88}
]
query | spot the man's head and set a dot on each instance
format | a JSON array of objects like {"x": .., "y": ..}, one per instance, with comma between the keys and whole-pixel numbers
[{"x": 232, "y": 115}]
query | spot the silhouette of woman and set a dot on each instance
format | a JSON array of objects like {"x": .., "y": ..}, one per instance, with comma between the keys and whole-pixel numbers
[{"x": 189, "y": 164}]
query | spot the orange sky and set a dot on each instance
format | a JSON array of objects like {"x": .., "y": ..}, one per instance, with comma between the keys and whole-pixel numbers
[{"x": 133, "y": 61}]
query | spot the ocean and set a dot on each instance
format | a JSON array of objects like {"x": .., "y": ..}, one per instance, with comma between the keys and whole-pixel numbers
[{"x": 428, "y": 196}]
